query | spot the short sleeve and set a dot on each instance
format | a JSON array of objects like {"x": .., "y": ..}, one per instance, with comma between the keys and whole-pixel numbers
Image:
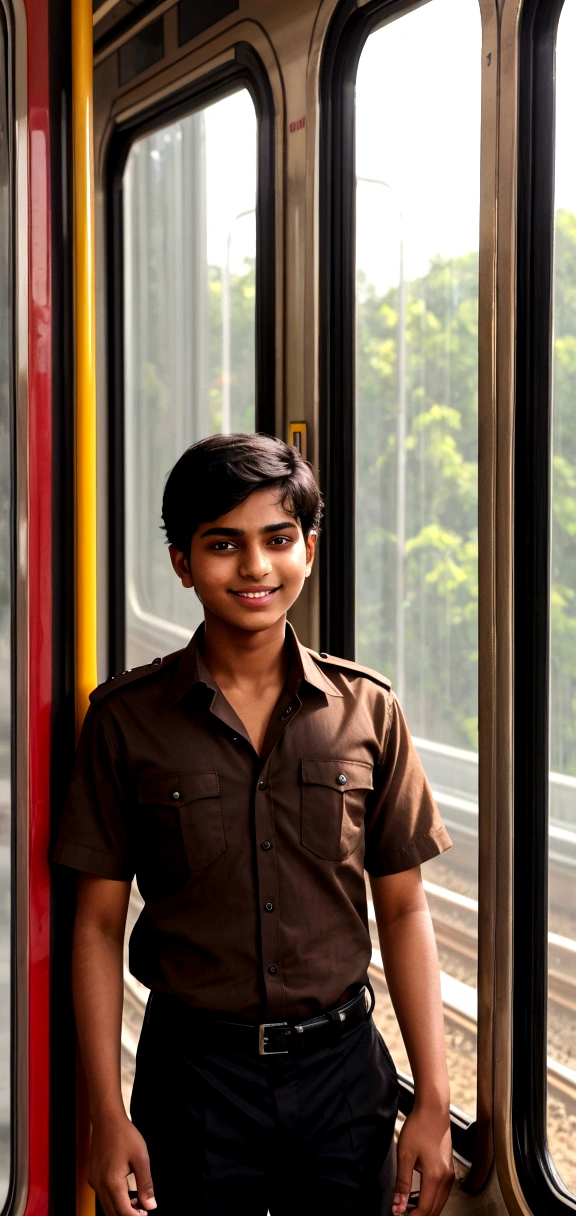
[
  {"x": 403, "y": 825},
  {"x": 94, "y": 834}
]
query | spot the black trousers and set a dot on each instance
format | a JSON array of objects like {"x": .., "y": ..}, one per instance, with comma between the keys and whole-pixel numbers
[{"x": 230, "y": 1132}]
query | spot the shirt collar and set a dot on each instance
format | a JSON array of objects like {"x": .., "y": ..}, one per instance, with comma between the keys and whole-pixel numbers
[
  {"x": 192, "y": 670},
  {"x": 309, "y": 670}
]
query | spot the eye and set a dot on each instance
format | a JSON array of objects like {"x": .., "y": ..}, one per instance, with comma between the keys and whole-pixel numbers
[
  {"x": 280, "y": 541},
  {"x": 222, "y": 546}
]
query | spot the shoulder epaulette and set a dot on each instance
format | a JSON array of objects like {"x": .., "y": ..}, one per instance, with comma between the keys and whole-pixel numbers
[
  {"x": 130, "y": 677},
  {"x": 355, "y": 668}
]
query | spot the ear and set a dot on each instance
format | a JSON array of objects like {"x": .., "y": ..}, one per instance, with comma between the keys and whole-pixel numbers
[
  {"x": 311, "y": 540},
  {"x": 181, "y": 566}
]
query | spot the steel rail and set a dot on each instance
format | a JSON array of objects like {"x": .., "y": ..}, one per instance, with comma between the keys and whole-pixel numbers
[
  {"x": 464, "y": 941},
  {"x": 456, "y": 937},
  {"x": 459, "y": 1001},
  {"x": 460, "y": 1005}
]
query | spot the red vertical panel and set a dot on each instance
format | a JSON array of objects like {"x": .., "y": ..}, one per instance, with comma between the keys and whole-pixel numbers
[{"x": 40, "y": 598}]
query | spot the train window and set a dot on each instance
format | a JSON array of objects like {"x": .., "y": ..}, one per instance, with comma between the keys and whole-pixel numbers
[
  {"x": 189, "y": 194},
  {"x": 6, "y": 622},
  {"x": 416, "y": 434},
  {"x": 562, "y": 784}
]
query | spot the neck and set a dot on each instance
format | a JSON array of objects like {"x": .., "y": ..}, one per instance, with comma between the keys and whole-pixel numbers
[{"x": 235, "y": 656}]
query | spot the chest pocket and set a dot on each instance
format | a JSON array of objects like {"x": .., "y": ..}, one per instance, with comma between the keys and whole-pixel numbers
[
  {"x": 181, "y": 827},
  {"x": 333, "y": 797}
]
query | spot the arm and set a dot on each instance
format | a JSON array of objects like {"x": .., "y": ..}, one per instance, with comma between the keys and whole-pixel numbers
[
  {"x": 97, "y": 981},
  {"x": 413, "y": 977}
]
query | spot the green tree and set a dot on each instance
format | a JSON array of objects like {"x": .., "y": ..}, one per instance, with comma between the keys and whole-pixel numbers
[
  {"x": 563, "y": 571},
  {"x": 441, "y": 592},
  {"x": 242, "y": 347}
]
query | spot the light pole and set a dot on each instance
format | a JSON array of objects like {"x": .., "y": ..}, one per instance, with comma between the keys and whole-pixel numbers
[
  {"x": 400, "y": 452},
  {"x": 227, "y": 324}
]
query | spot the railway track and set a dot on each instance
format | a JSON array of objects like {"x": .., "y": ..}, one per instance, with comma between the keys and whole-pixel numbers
[
  {"x": 459, "y": 999},
  {"x": 462, "y": 940},
  {"x": 454, "y": 917}
]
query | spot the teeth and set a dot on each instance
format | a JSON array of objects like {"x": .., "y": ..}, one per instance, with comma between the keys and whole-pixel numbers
[{"x": 253, "y": 595}]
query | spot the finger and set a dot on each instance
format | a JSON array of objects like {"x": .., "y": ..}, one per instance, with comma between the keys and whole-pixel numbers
[
  {"x": 403, "y": 1183},
  {"x": 135, "y": 1203},
  {"x": 133, "y": 1193},
  {"x": 428, "y": 1197},
  {"x": 122, "y": 1205},
  {"x": 144, "y": 1184}
]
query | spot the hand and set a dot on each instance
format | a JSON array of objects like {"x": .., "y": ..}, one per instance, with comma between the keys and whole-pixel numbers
[
  {"x": 117, "y": 1150},
  {"x": 424, "y": 1144}
]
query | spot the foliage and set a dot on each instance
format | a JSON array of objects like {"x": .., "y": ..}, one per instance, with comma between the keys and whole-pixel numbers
[
  {"x": 440, "y": 565},
  {"x": 440, "y": 602},
  {"x": 441, "y": 548},
  {"x": 563, "y": 572},
  {"x": 242, "y": 350}
]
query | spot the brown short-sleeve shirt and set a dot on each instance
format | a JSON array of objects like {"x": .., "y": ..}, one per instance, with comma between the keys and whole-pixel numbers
[{"x": 251, "y": 867}]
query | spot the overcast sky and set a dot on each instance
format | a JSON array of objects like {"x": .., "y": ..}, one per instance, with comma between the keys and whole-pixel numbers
[
  {"x": 566, "y": 108},
  {"x": 418, "y": 129}
]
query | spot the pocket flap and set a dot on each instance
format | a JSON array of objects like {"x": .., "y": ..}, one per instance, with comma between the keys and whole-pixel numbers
[
  {"x": 176, "y": 789},
  {"x": 327, "y": 772}
]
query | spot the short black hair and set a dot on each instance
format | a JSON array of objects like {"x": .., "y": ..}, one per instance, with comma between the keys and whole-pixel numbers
[{"x": 217, "y": 473}]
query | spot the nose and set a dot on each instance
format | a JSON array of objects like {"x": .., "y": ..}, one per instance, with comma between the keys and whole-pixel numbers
[{"x": 255, "y": 563}]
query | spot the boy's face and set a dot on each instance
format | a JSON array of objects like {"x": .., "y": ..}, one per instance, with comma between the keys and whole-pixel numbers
[{"x": 248, "y": 566}]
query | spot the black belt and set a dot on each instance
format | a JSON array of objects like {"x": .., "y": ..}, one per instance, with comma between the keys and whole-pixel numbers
[{"x": 282, "y": 1038}]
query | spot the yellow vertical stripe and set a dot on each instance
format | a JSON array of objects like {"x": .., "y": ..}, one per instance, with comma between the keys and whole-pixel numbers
[
  {"x": 85, "y": 447},
  {"x": 85, "y": 356}
]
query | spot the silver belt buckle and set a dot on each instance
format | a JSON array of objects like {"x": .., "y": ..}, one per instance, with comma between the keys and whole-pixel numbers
[{"x": 263, "y": 1039}]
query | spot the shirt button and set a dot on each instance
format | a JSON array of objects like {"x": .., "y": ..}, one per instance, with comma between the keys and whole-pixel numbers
[
  {"x": 341, "y": 779},
  {"x": 287, "y": 711},
  {"x": 266, "y": 844},
  {"x": 269, "y": 907},
  {"x": 262, "y": 785},
  {"x": 272, "y": 969},
  {"x": 235, "y": 738},
  {"x": 176, "y": 795}
]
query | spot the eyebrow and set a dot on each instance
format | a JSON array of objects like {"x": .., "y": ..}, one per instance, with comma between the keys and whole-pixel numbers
[{"x": 240, "y": 532}]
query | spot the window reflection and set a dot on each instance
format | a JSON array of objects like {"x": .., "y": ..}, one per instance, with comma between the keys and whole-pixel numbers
[
  {"x": 189, "y": 291},
  {"x": 189, "y": 357},
  {"x": 562, "y": 789},
  {"x": 418, "y": 163}
]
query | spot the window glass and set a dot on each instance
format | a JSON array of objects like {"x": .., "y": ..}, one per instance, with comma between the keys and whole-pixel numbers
[
  {"x": 418, "y": 165},
  {"x": 189, "y": 317},
  {"x": 562, "y": 787},
  {"x": 6, "y": 600},
  {"x": 189, "y": 358}
]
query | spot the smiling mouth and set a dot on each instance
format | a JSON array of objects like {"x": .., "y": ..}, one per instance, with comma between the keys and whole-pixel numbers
[{"x": 255, "y": 595}]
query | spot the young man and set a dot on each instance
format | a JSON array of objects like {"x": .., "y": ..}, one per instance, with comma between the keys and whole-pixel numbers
[{"x": 248, "y": 782}]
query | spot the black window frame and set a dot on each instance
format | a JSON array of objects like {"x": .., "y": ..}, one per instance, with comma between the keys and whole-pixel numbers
[
  {"x": 543, "y": 1189},
  {"x": 245, "y": 70},
  {"x": 346, "y": 38}
]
